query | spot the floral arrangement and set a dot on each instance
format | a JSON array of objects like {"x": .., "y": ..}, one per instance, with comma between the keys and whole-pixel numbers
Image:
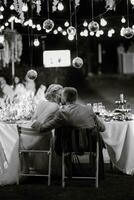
[
  {"x": 12, "y": 47},
  {"x": 18, "y": 7},
  {"x": 110, "y": 5}
]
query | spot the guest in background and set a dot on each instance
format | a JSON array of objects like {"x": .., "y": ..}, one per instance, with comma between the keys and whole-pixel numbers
[
  {"x": 120, "y": 51},
  {"x": 131, "y": 47},
  {"x": 19, "y": 88},
  {"x": 40, "y": 95},
  {"x": 30, "y": 86},
  {"x": 6, "y": 89}
]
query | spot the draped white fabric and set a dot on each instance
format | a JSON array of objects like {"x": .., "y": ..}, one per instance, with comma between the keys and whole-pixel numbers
[
  {"x": 119, "y": 140},
  {"x": 118, "y": 137},
  {"x": 9, "y": 158}
]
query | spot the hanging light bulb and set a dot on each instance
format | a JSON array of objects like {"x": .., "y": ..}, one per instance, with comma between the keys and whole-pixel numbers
[
  {"x": 97, "y": 34},
  {"x": 66, "y": 24},
  {"x": 64, "y": 33},
  {"x": 1, "y": 16},
  {"x": 122, "y": 31},
  {"x": 59, "y": 29},
  {"x": 85, "y": 32},
  {"x": 55, "y": 32},
  {"x": 38, "y": 26},
  {"x": 1, "y": 8},
  {"x": 91, "y": 33},
  {"x": 71, "y": 30},
  {"x": 60, "y": 6},
  {"x": 24, "y": 7},
  {"x": 30, "y": 22},
  {"x": 77, "y": 62},
  {"x": 128, "y": 33},
  {"x": 48, "y": 25},
  {"x": 6, "y": 24},
  {"x": 103, "y": 22},
  {"x": 93, "y": 26},
  {"x": 36, "y": 42},
  {"x": 123, "y": 20},
  {"x": 132, "y": 2},
  {"x": 12, "y": 7},
  {"x": 71, "y": 37},
  {"x": 85, "y": 24},
  {"x": 32, "y": 74}
]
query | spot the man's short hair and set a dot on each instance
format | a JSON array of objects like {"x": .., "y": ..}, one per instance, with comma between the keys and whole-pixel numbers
[{"x": 70, "y": 94}]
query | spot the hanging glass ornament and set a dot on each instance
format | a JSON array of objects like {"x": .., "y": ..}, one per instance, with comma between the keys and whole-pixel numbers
[
  {"x": 48, "y": 25},
  {"x": 31, "y": 74},
  {"x": 77, "y": 62},
  {"x": 128, "y": 33},
  {"x": 93, "y": 26},
  {"x": 71, "y": 30}
]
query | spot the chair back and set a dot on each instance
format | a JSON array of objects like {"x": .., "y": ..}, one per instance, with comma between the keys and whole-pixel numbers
[
  {"x": 27, "y": 130},
  {"x": 73, "y": 139}
]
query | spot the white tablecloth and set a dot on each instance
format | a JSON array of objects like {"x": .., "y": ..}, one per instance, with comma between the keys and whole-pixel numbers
[
  {"x": 119, "y": 139},
  {"x": 9, "y": 158}
]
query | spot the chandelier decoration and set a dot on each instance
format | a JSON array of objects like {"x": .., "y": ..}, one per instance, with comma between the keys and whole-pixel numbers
[
  {"x": 110, "y": 5},
  {"x": 77, "y": 61},
  {"x": 48, "y": 24},
  {"x": 18, "y": 4},
  {"x": 55, "y": 4},
  {"x": 93, "y": 26},
  {"x": 5, "y": 2},
  {"x": 31, "y": 74},
  {"x": 128, "y": 32},
  {"x": 77, "y": 3}
]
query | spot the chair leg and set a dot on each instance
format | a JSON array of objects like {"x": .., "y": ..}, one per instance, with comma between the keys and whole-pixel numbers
[
  {"x": 63, "y": 170},
  {"x": 97, "y": 165},
  {"x": 49, "y": 166}
]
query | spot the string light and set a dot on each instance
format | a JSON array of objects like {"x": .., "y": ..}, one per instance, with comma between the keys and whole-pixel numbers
[
  {"x": 85, "y": 24},
  {"x": 71, "y": 37},
  {"x": 91, "y": 33},
  {"x": 12, "y": 7},
  {"x": 55, "y": 32},
  {"x": 123, "y": 20},
  {"x": 64, "y": 33},
  {"x": 66, "y": 24},
  {"x": 59, "y": 29},
  {"x": 24, "y": 7},
  {"x": 103, "y": 22},
  {"x": 60, "y": 6},
  {"x": 36, "y": 42},
  {"x": 6, "y": 24},
  {"x": 132, "y": 2},
  {"x": 1, "y": 8},
  {"x": 1, "y": 16}
]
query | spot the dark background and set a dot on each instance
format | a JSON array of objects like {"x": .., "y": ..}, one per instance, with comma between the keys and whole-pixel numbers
[{"x": 32, "y": 57}]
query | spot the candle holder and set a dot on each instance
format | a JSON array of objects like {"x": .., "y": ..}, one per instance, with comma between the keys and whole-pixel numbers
[{"x": 121, "y": 104}]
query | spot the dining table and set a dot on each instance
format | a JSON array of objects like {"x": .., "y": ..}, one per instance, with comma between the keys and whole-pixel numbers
[
  {"x": 118, "y": 138},
  {"x": 119, "y": 141},
  {"x": 9, "y": 157},
  {"x": 9, "y": 152}
]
